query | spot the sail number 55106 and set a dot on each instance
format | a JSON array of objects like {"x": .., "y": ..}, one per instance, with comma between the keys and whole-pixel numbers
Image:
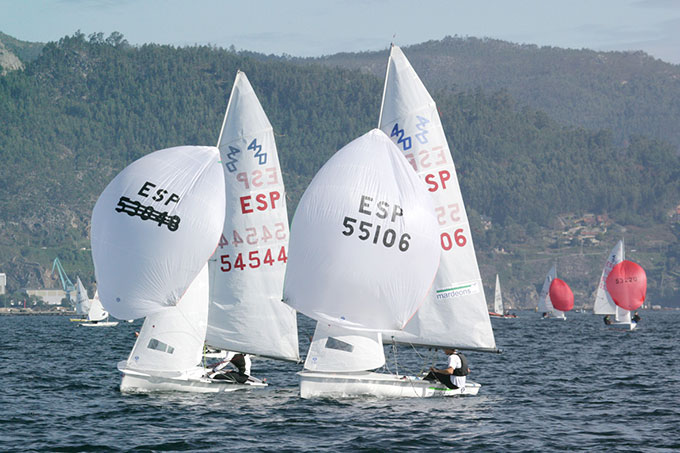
[{"x": 388, "y": 236}]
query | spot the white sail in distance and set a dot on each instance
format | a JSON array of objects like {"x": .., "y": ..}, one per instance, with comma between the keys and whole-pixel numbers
[
  {"x": 498, "y": 298},
  {"x": 545, "y": 305},
  {"x": 247, "y": 271},
  {"x": 82, "y": 300},
  {"x": 604, "y": 304},
  {"x": 97, "y": 312},
  {"x": 455, "y": 313}
]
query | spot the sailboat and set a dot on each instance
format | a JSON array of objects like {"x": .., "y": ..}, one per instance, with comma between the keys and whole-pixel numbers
[
  {"x": 363, "y": 254},
  {"x": 498, "y": 311},
  {"x": 627, "y": 285},
  {"x": 246, "y": 314},
  {"x": 604, "y": 304},
  {"x": 154, "y": 228},
  {"x": 545, "y": 305},
  {"x": 82, "y": 302},
  {"x": 235, "y": 302},
  {"x": 97, "y": 316}
]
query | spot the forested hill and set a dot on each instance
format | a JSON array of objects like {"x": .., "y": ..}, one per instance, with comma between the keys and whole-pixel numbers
[
  {"x": 88, "y": 106},
  {"x": 629, "y": 93}
]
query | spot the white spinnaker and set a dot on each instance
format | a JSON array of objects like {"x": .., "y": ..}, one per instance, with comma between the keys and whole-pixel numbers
[
  {"x": 246, "y": 273},
  {"x": 82, "y": 301},
  {"x": 498, "y": 297},
  {"x": 455, "y": 313},
  {"x": 604, "y": 304},
  {"x": 154, "y": 227},
  {"x": 172, "y": 339},
  {"x": 334, "y": 349},
  {"x": 96, "y": 312},
  {"x": 363, "y": 245},
  {"x": 544, "y": 303}
]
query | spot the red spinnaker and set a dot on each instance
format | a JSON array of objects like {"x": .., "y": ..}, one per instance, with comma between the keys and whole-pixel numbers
[
  {"x": 561, "y": 296},
  {"x": 627, "y": 284}
]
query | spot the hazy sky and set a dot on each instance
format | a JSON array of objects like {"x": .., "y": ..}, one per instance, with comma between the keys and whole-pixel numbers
[{"x": 321, "y": 27}]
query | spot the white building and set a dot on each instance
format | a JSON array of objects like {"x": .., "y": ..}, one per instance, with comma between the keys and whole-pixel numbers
[
  {"x": 3, "y": 283},
  {"x": 49, "y": 296}
]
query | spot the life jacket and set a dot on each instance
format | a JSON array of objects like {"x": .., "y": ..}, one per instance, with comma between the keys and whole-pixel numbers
[{"x": 463, "y": 370}]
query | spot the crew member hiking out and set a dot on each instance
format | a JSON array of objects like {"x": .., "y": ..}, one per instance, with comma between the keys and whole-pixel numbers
[{"x": 453, "y": 376}]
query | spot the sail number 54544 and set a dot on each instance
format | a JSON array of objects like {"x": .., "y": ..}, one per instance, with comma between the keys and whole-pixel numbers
[{"x": 253, "y": 260}]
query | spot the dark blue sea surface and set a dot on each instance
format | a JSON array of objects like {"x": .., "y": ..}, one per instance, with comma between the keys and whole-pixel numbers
[{"x": 559, "y": 385}]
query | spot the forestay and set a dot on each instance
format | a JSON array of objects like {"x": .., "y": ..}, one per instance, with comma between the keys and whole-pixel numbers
[
  {"x": 335, "y": 349},
  {"x": 363, "y": 245},
  {"x": 154, "y": 227},
  {"x": 455, "y": 314},
  {"x": 246, "y": 273},
  {"x": 172, "y": 339}
]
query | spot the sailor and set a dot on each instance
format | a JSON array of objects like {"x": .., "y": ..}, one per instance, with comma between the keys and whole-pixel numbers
[
  {"x": 454, "y": 375},
  {"x": 607, "y": 320},
  {"x": 636, "y": 317},
  {"x": 240, "y": 361}
]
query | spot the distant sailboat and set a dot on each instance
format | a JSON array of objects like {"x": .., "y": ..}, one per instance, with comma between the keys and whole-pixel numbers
[
  {"x": 97, "y": 316},
  {"x": 604, "y": 304},
  {"x": 498, "y": 310},
  {"x": 627, "y": 285},
  {"x": 82, "y": 301},
  {"x": 545, "y": 305}
]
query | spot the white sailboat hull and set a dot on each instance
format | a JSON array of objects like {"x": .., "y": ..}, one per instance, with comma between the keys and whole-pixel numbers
[
  {"x": 99, "y": 324},
  {"x": 493, "y": 315},
  {"x": 136, "y": 381},
  {"x": 622, "y": 325},
  {"x": 365, "y": 383}
]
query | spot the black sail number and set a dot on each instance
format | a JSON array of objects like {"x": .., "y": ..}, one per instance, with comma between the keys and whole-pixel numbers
[{"x": 367, "y": 231}]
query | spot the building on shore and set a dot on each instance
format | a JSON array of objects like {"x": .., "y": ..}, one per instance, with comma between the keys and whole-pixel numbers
[
  {"x": 3, "y": 283},
  {"x": 49, "y": 296}
]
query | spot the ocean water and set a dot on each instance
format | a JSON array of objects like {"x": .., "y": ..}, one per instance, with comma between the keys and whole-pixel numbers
[{"x": 559, "y": 385}]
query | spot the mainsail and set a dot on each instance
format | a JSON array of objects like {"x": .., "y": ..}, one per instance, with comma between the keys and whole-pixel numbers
[
  {"x": 96, "y": 311},
  {"x": 498, "y": 298},
  {"x": 455, "y": 313},
  {"x": 545, "y": 305},
  {"x": 246, "y": 273},
  {"x": 82, "y": 301},
  {"x": 604, "y": 304}
]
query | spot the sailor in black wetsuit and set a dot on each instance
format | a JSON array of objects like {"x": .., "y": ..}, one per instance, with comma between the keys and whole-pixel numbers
[{"x": 240, "y": 375}]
